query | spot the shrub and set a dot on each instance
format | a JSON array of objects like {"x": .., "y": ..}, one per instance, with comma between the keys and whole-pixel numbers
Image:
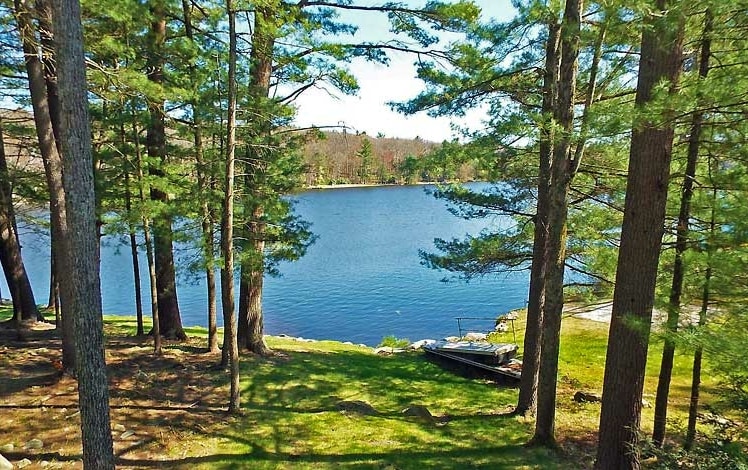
[
  {"x": 391, "y": 341},
  {"x": 720, "y": 449}
]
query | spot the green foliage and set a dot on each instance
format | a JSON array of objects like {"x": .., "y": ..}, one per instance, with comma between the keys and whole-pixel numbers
[
  {"x": 719, "y": 449},
  {"x": 365, "y": 154},
  {"x": 499, "y": 66},
  {"x": 391, "y": 341}
]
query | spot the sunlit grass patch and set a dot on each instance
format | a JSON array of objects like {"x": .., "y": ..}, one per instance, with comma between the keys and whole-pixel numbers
[{"x": 326, "y": 404}]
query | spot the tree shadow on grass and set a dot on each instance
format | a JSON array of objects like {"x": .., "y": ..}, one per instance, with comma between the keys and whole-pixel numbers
[
  {"x": 392, "y": 382},
  {"x": 495, "y": 457},
  {"x": 291, "y": 407},
  {"x": 48, "y": 376},
  {"x": 292, "y": 413}
]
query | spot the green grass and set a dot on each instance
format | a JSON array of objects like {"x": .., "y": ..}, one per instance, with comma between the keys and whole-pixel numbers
[
  {"x": 293, "y": 403},
  {"x": 6, "y": 312},
  {"x": 582, "y": 366},
  {"x": 291, "y": 418}
]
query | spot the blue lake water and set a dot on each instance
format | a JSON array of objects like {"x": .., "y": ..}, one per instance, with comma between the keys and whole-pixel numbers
[{"x": 361, "y": 280}]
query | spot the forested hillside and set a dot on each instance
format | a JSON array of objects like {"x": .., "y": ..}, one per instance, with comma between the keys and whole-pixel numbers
[
  {"x": 344, "y": 158},
  {"x": 329, "y": 157}
]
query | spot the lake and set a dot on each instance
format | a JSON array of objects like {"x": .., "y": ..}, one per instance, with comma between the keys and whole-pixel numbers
[{"x": 362, "y": 279}]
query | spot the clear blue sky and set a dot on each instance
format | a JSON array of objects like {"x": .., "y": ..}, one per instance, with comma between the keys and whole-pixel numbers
[{"x": 368, "y": 111}]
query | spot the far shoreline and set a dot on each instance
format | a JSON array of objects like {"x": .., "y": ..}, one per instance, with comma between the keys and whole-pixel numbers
[{"x": 370, "y": 185}]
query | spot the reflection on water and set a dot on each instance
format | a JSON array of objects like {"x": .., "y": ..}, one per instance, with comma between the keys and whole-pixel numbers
[{"x": 361, "y": 280}]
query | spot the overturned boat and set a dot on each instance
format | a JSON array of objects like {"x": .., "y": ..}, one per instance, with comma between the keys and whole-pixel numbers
[{"x": 495, "y": 360}]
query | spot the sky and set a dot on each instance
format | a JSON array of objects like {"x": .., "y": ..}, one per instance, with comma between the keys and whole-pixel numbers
[{"x": 379, "y": 84}]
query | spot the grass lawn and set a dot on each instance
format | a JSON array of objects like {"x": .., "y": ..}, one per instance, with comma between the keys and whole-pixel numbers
[{"x": 301, "y": 407}]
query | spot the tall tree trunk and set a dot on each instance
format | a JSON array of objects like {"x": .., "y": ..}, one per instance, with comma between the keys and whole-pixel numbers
[
  {"x": 227, "y": 222},
  {"x": 134, "y": 257},
  {"x": 528, "y": 390},
  {"x": 242, "y": 332},
  {"x": 147, "y": 239},
  {"x": 133, "y": 238},
  {"x": 80, "y": 240},
  {"x": 53, "y": 301},
  {"x": 52, "y": 165},
  {"x": 253, "y": 266},
  {"x": 558, "y": 199},
  {"x": 681, "y": 245},
  {"x": 166, "y": 285},
  {"x": 24, "y": 304},
  {"x": 203, "y": 174},
  {"x": 255, "y": 317},
  {"x": 250, "y": 301},
  {"x": 46, "y": 36},
  {"x": 693, "y": 406},
  {"x": 641, "y": 238}
]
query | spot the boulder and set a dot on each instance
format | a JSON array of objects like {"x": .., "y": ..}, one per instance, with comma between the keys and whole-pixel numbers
[
  {"x": 5, "y": 463},
  {"x": 420, "y": 344},
  {"x": 34, "y": 444},
  {"x": 587, "y": 397},
  {"x": 474, "y": 336},
  {"x": 501, "y": 327},
  {"x": 9, "y": 447},
  {"x": 24, "y": 463}
]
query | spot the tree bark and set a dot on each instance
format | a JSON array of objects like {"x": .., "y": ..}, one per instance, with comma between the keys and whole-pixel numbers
[
  {"x": 133, "y": 238},
  {"x": 53, "y": 302},
  {"x": 46, "y": 36},
  {"x": 641, "y": 238},
  {"x": 231, "y": 348},
  {"x": 24, "y": 304},
  {"x": 252, "y": 327},
  {"x": 52, "y": 166},
  {"x": 166, "y": 285},
  {"x": 80, "y": 240},
  {"x": 148, "y": 244},
  {"x": 134, "y": 256},
  {"x": 693, "y": 405},
  {"x": 681, "y": 246},
  {"x": 558, "y": 199},
  {"x": 203, "y": 174},
  {"x": 528, "y": 390},
  {"x": 253, "y": 266}
]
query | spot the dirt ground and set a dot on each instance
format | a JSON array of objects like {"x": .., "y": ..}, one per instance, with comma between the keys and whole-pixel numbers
[{"x": 156, "y": 402}]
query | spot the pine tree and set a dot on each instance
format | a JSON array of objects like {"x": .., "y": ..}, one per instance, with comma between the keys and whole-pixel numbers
[
  {"x": 641, "y": 236},
  {"x": 80, "y": 240}
]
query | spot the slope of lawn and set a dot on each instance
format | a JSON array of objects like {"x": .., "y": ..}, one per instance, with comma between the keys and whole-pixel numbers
[{"x": 314, "y": 405}]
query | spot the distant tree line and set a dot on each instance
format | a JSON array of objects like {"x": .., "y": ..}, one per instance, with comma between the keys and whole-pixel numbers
[
  {"x": 326, "y": 158},
  {"x": 356, "y": 158}
]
